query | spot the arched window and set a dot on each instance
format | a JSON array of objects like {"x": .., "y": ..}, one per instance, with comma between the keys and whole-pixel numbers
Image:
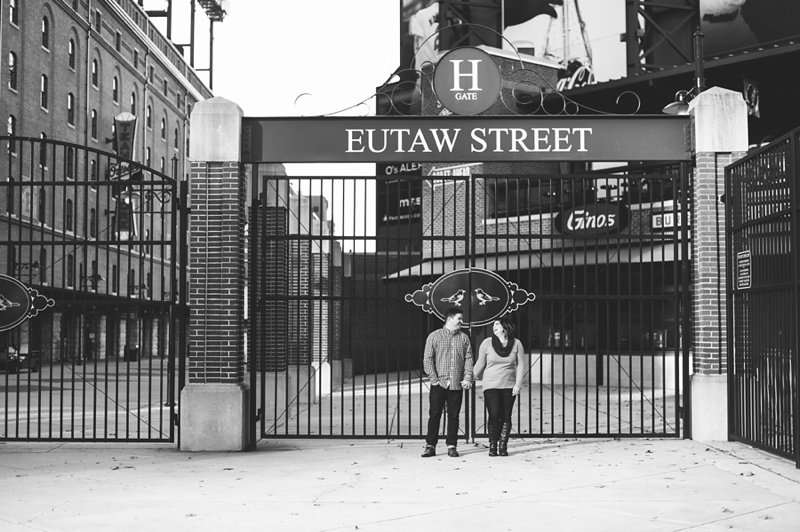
[
  {"x": 70, "y": 271},
  {"x": 95, "y": 73},
  {"x": 42, "y": 204},
  {"x": 10, "y": 203},
  {"x": 149, "y": 117},
  {"x": 13, "y": 12},
  {"x": 43, "y": 266},
  {"x": 115, "y": 89},
  {"x": 175, "y": 139},
  {"x": 92, "y": 223},
  {"x": 43, "y": 150},
  {"x": 93, "y": 171},
  {"x": 69, "y": 216},
  {"x": 44, "y": 92},
  {"x": 12, "y": 130},
  {"x": 94, "y": 124},
  {"x": 71, "y": 109},
  {"x": 45, "y": 33},
  {"x": 71, "y": 52},
  {"x": 163, "y": 129},
  {"x": 12, "y": 70},
  {"x": 147, "y": 157},
  {"x": 162, "y": 165},
  {"x": 70, "y": 164},
  {"x": 133, "y": 103}
]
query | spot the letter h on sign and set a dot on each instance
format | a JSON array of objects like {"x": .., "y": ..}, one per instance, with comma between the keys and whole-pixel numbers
[{"x": 457, "y": 74}]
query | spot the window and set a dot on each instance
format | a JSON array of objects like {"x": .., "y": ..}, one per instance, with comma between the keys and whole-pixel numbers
[
  {"x": 93, "y": 172},
  {"x": 136, "y": 59},
  {"x": 162, "y": 165},
  {"x": 175, "y": 139},
  {"x": 70, "y": 170},
  {"x": 71, "y": 109},
  {"x": 114, "y": 279},
  {"x": 42, "y": 204},
  {"x": 45, "y": 33},
  {"x": 94, "y": 124},
  {"x": 166, "y": 87},
  {"x": 75, "y": 5},
  {"x": 43, "y": 150},
  {"x": 43, "y": 266},
  {"x": 12, "y": 70},
  {"x": 44, "y": 92},
  {"x": 10, "y": 196},
  {"x": 70, "y": 271},
  {"x": 147, "y": 157},
  {"x": 92, "y": 223},
  {"x": 163, "y": 129},
  {"x": 13, "y": 12},
  {"x": 12, "y": 131},
  {"x": 133, "y": 103},
  {"x": 95, "y": 73},
  {"x": 113, "y": 238},
  {"x": 150, "y": 74},
  {"x": 118, "y": 42},
  {"x": 12, "y": 261},
  {"x": 149, "y": 117},
  {"x": 115, "y": 89},
  {"x": 69, "y": 216},
  {"x": 98, "y": 20},
  {"x": 95, "y": 276},
  {"x": 71, "y": 54}
]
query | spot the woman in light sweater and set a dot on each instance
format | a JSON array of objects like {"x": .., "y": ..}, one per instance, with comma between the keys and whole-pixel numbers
[{"x": 500, "y": 365}]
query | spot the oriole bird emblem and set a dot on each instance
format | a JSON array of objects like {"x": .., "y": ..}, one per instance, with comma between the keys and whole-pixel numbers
[
  {"x": 484, "y": 298},
  {"x": 5, "y": 304},
  {"x": 456, "y": 298}
]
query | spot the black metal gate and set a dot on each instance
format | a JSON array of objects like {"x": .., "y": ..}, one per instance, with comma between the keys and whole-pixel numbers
[
  {"x": 335, "y": 346},
  {"x": 99, "y": 236},
  {"x": 763, "y": 276}
]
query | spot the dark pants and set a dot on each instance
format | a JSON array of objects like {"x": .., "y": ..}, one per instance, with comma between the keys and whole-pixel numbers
[
  {"x": 499, "y": 404},
  {"x": 439, "y": 397}
]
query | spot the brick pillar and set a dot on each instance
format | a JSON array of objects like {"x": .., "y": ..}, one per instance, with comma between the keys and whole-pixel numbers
[
  {"x": 214, "y": 403},
  {"x": 720, "y": 138}
]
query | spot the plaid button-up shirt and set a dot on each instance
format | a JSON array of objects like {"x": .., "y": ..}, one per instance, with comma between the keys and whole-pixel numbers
[{"x": 448, "y": 358}]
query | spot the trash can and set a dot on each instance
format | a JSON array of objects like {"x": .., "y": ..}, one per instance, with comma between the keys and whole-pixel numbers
[{"x": 131, "y": 353}]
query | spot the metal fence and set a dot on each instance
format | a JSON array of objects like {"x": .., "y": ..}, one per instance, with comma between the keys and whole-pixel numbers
[
  {"x": 99, "y": 236},
  {"x": 762, "y": 233},
  {"x": 335, "y": 346}
]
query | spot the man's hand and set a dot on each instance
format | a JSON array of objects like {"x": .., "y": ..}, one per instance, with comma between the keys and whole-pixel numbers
[
  {"x": 515, "y": 390},
  {"x": 466, "y": 385}
]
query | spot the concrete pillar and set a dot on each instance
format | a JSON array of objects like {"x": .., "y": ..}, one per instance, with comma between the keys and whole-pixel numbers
[
  {"x": 214, "y": 403},
  {"x": 720, "y": 138}
]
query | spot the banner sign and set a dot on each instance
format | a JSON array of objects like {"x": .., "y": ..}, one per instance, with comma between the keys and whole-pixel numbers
[{"x": 432, "y": 139}]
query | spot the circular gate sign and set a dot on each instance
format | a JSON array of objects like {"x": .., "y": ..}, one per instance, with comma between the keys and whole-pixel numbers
[
  {"x": 467, "y": 81},
  {"x": 15, "y": 303},
  {"x": 481, "y": 295}
]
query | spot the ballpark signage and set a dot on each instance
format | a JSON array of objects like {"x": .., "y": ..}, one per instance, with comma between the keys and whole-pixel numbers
[
  {"x": 19, "y": 302},
  {"x": 467, "y": 81},
  {"x": 482, "y": 296},
  {"x": 593, "y": 219},
  {"x": 464, "y": 139}
]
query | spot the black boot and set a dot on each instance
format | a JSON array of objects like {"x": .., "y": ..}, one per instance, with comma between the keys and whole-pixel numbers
[
  {"x": 492, "y": 440},
  {"x": 505, "y": 432}
]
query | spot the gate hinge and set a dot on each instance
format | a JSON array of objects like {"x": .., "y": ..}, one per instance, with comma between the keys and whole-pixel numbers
[{"x": 176, "y": 419}]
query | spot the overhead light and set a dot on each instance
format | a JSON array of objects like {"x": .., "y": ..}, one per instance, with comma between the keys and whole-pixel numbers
[{"x": 681, "y": 104}]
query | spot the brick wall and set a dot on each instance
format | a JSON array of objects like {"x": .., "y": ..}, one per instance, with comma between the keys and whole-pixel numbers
[{"x": 216, "y": 266}]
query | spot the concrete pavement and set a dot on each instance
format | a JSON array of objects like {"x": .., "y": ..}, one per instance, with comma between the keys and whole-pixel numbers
[{"x": 332, "y": 485}]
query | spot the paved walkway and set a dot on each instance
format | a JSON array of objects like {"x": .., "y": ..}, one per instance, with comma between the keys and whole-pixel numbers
[{"x": 332, "y": 485}]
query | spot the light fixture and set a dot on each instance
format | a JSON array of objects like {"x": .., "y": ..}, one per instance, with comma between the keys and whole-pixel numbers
[{"x": 682, "y": 98}]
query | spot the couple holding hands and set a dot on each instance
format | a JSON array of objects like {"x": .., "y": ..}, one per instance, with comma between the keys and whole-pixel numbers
[{"x": 448, "y": 362}]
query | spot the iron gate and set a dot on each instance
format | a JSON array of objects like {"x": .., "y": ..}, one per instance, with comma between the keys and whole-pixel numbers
[
  {"x": 335, "y": 346},
  {"x": 762, "y": 216},
  {"x": 98, "y": 235}
]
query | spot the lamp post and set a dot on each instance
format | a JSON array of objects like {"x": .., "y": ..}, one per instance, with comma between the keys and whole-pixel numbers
[{"x": 32, "y": 268}]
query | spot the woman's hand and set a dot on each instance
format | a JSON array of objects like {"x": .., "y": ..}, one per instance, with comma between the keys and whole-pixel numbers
[{"x": 515, "y": 390}]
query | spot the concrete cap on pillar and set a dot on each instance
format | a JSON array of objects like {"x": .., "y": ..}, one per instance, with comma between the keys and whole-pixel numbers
[
  {"x": 720, "y": 121},
  {"x": 216, "y": 131}
]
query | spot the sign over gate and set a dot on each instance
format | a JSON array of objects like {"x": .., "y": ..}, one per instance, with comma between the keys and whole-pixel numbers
[{"x": 436, "y": 139}]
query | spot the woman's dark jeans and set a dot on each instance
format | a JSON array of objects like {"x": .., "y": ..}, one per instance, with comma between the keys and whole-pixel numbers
[{"x": 499, "y": 404}]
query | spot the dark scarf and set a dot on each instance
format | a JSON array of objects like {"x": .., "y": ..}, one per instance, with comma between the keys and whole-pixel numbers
[{"x": 497, "y": 345}]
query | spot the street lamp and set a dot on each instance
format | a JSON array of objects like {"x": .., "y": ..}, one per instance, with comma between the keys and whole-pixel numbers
[
  {"x": 32, "y": 267},
  {"x": 95, "y": 278}
]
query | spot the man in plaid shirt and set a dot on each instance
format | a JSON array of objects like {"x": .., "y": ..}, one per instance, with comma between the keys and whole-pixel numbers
[{"x": 448, "y": 362}]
